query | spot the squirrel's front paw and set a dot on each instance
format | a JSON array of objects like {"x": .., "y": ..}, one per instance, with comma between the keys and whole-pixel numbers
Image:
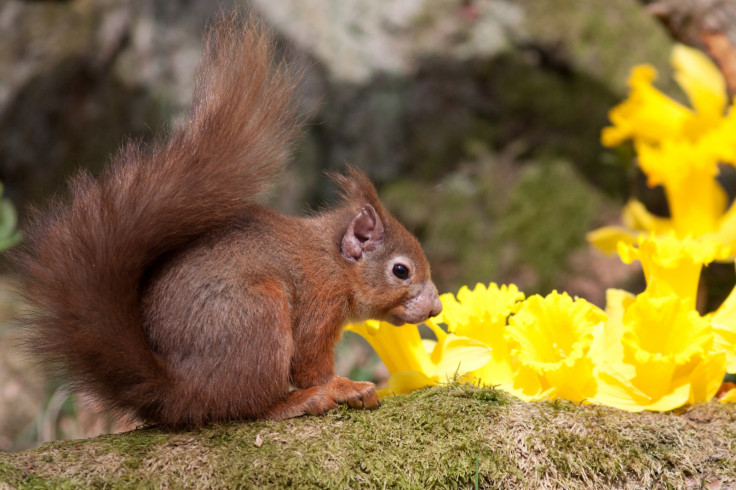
[
  {"x": 317, "y": 400},
  {"x": 319, "y": 404},
  {"x": 357, "y": 394}
]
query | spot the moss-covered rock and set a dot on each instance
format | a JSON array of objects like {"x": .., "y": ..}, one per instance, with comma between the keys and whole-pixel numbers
[{"x": 443, "y": 437}]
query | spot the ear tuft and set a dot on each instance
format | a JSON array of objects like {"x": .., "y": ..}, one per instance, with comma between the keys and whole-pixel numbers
[
  {"x": 365, "y": 233},
  {"x": 356, "y": 189}
]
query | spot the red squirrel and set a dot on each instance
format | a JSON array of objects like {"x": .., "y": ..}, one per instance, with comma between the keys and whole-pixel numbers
[{"x": 162, "y": 287}]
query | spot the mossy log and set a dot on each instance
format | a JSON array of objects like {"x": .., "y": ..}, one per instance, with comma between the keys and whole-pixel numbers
[{"x": 455, "y": 436}]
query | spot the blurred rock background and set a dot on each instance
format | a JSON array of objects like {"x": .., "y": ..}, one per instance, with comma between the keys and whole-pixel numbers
[{"x": 478, "y": 119}]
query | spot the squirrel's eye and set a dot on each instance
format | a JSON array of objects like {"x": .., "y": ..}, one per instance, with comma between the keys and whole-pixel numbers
[{"x": 401, "y": 271}]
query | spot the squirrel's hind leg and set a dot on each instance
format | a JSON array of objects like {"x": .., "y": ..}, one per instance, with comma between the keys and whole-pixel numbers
[{"x": 229, "y": 347}]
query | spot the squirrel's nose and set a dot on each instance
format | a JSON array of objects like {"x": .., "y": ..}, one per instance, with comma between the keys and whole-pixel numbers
[
  {"x": 436, "y": 303},
  {"x": 436, "y": 307}
]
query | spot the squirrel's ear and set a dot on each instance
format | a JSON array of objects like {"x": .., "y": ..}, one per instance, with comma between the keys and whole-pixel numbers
[{"x": 365, "y": 233}]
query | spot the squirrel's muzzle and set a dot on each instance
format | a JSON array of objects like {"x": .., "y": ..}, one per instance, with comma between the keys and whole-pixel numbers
[{"x": 419, "y": 307}]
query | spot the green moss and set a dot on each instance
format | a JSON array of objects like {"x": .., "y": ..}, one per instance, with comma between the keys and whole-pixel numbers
[
  {"x": 490, "y": 221},
  {"x": 135, "y": 448},
  {"x": 17, "y": 477},
  {"x": 454, "y": 222},
  {"x": 429, "y": 439},
  {"x": 361, "y": 448},
  {"x": 549, "y": 211},
  {"x": 604, "y": 38}
]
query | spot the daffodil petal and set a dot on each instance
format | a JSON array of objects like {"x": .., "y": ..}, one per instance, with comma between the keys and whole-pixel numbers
[
  {"x": 574, "y": 382},
  {"x": 405, "y": 382},
  {"x": 437, "y": 331},
  {"x": 647, "y": 114},
  {"x": 429, "y": 345},
  {"x": 400, "y": 348},
  {"x": 706, "y": 378},
  {"x": 452, "y": 312},
  {"x": 617, "y": 301},
  {"x": 479, "y": 314},
  {"x": 675, "y": 399},
  {"x": 617, "y": 393},
  {"x": 653, "y": 373},
  {"x": 726, "y": 229},
  {"x": 723, "y": 322},
  {"x": 526, "y": 386},
  {"x": 494, "y": 372},
  {"x": 672, "y": 265},
  {"x": 701, "y": 80},
  {"x": 635, "y": 215},
  {"x": 697, "y": 204},
  {"x": 729, "y": 396},
  {"x": 607, "y": 238},
  {"x": 550, "y": 338},
  {"x": 553, "y": 329},
  {"x": 480, "y": 306},
  {"x": 460, "y": 355},
  {"x": 662, "y": 331},
  {"x": 620, "y": 393}
]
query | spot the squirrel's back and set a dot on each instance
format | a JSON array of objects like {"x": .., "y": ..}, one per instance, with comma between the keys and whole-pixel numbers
[{"x": 84, "y": 259}]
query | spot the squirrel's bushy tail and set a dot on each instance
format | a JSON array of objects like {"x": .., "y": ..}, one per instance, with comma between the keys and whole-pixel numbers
[{"x": 84, "y": 258}]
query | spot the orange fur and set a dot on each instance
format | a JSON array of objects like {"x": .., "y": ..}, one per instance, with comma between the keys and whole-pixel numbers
[{"x": 164, "y": 290}]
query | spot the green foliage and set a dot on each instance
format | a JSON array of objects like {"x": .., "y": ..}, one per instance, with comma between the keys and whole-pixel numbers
[
  {"x": 492, "y": 220},
  {"x": 454, "y": 221},
  {"x": 549, "y": 212},
  {"x": 8, "y": 221}
]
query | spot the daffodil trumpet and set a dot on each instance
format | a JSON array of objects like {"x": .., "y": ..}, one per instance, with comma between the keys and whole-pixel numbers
[{"x": 679, "y": 148}]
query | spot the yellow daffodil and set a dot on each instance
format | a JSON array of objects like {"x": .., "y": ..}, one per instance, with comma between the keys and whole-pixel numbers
[
  {"x": 491, "y": 303},
  {"x": 729, "y": 396},
  {"x": 400, "y": 348},
  {"x": 481, "y": 314},
  {"x": 655, "y": 353},
  {"x": 647, "y": 115},
  {"x": 723, "y": 321},
  {"x": 648, "y": 352},
  {"x": 672, "y": 265},
  {"x": 550, "y": 338},
  {"x": 679, "y": 148},
  {"x": 413, "y": 362},
  {"x": 607, "y": 336},
  {"x": 697, "y": 202},
  {"x": 404, "y": 382}
]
